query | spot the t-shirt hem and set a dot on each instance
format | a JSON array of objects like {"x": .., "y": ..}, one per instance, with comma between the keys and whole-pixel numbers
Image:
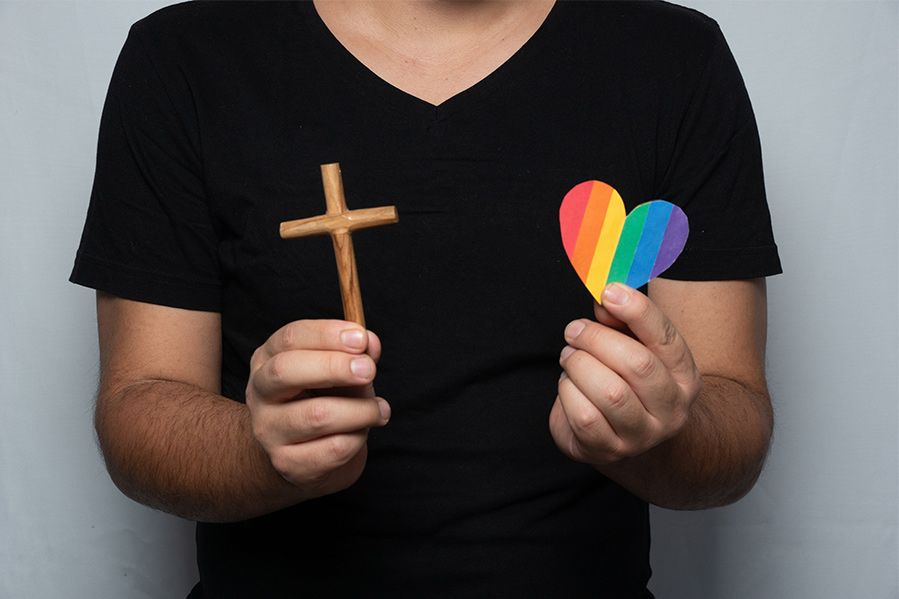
[
  {"x": 726, "y": 264},
  {"x": 138, "y": 285}
]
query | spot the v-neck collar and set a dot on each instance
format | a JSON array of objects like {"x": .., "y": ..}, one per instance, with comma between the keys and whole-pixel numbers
[{"x": 357, "y": 73}]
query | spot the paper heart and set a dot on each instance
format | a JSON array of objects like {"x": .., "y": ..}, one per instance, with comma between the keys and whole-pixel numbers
[{"x": 605, "y": 246}]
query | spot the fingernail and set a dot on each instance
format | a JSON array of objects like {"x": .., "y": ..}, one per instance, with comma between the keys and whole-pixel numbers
[
  {"x": 361, "y": 367},
  {"x": 574, "y": 329},
  {"x": 384, "y": 408},
  {"x": 566, "y": 351},
  {"x": 615, "y": 294},
  {"x": 353, "y": 338}
]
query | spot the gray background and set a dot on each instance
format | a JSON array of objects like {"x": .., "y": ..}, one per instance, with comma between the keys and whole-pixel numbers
[{"x": 822, "y": 522}]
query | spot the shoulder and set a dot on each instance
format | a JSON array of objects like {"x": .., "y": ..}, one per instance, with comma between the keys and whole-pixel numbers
[
  {"x": 204, "y": 44},
  {"x": 197, "y": 23},
  {"x": 652, "y": 29},
  {"x": 185, "y": 16},
  {"x": 647, "y": 48},
  {"x": 652, "y": 16},
  {"x": 667, "y": 15}
]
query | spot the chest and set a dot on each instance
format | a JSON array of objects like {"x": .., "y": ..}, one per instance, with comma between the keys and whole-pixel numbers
[{"x": 477, "y": 183}]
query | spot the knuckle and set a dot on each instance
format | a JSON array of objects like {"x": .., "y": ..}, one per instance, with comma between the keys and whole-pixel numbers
[
  {"x": 616, "y": 395},
  {"x": 288, "y": 335},
  {"x": 281, "y": 461},
  {"x": 620, "y": 450},
  {"x": 585, "y": 420},
  {"x": 256, "y": 359},
  {"x": 341, "y": 449},
  {"x": 669, "y": 333},
  {"x": 643, "y": 364},
  {"x": 318, "y": 415},
  {"x": 276, "y": 369}
]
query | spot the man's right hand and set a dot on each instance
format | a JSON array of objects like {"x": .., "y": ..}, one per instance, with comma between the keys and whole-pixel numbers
[{"x": 311, "y": 402}]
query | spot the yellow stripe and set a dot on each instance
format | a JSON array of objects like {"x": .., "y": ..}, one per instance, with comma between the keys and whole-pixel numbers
[{"x": 605, "y": 247}]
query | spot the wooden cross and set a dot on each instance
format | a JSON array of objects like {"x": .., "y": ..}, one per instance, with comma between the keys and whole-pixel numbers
[{"x": 339, "y": 222}]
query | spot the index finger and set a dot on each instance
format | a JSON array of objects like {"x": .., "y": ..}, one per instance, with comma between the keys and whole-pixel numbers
[
  {"x": 338, "y": 335},
  {"x": 649, "y": 325},
  {"x": 333, "y": 335}
]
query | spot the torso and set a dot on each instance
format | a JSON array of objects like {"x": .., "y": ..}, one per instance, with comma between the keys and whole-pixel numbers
[{"x": 464, "y": 494}]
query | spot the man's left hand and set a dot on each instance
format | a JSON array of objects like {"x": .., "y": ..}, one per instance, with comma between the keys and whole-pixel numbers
[{"x": 628, "y": 384}]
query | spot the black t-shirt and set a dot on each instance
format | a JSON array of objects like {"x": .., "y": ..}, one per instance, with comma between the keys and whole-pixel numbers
[{"x": 217, "y": 119}]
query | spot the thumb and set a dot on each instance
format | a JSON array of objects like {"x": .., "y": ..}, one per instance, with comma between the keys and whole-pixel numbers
[{"x": 651, "y": 327}]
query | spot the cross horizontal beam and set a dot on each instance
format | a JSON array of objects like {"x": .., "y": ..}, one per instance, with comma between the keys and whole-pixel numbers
[{"x": 352, "y": 220}]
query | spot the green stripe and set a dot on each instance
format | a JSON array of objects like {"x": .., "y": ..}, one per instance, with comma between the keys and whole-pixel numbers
[{"x": 627, "y": 244}]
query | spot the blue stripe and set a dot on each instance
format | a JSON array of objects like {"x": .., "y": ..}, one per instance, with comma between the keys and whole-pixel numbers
[{"x": 650, "y": 242}]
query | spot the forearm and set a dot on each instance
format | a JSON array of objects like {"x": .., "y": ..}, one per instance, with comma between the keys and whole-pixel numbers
[
  {"x": 189, "y": 452},
  {"x": 713, "y": 461}
]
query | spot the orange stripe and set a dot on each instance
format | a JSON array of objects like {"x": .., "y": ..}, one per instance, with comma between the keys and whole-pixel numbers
[{"x": 591, "y": 225}]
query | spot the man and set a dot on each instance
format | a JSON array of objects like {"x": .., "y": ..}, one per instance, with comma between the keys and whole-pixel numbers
[{"x": 232, "y": 393}]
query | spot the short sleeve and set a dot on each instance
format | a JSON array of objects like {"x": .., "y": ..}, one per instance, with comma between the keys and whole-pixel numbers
[
  {"x": 715, "y": 175},
  {"x": 148, "y": 235}
]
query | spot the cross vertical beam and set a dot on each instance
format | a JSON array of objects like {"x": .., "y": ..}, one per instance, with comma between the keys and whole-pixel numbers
[{"x": 350, "y": 292}]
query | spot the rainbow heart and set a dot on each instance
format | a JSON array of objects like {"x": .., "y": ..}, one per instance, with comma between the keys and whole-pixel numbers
[{"x": 605, "y": 246}]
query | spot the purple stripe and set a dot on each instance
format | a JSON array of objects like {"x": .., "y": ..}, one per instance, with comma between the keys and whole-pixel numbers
[{"x": 673, "y": 242}]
